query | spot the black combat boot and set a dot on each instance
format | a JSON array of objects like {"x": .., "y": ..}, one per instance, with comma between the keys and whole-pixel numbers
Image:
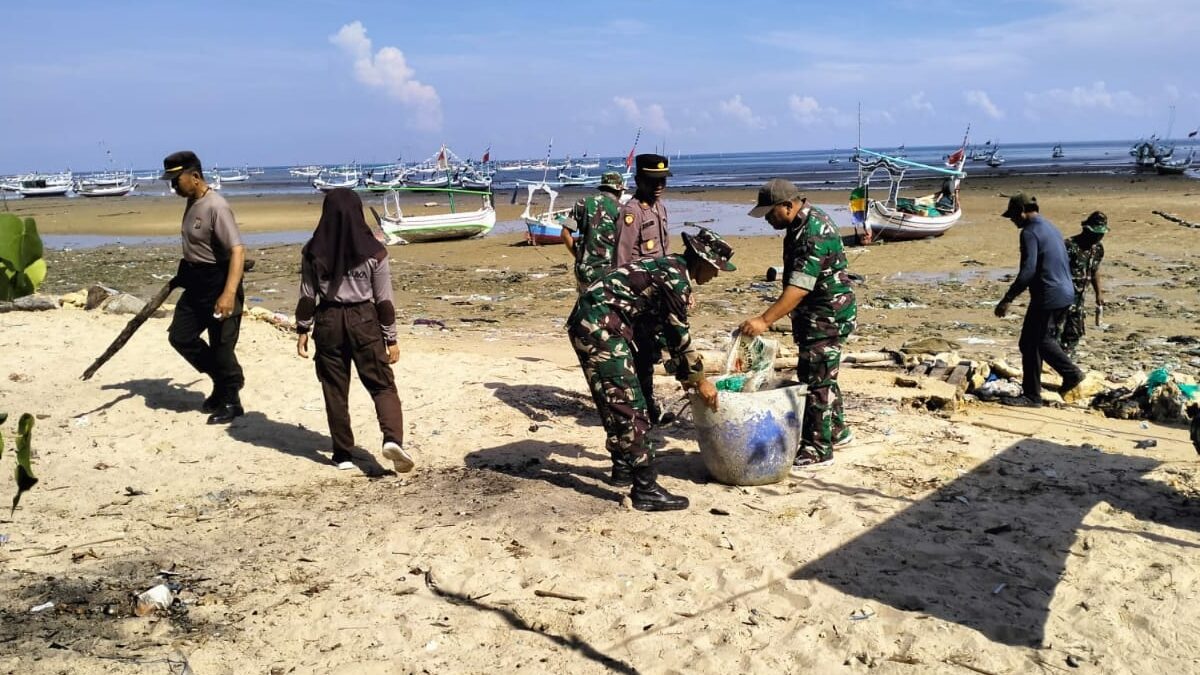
[
  {"x": 648, "y": 495},
  {"x": 622, "y": 471},
  {"x": 230, "y": 408}
]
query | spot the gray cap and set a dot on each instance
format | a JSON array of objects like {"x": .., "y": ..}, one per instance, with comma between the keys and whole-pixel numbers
[{"x": 776, "y": 191}]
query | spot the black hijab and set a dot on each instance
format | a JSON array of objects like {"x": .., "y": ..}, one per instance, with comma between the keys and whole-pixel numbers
[{"x": 342, "y": 240}]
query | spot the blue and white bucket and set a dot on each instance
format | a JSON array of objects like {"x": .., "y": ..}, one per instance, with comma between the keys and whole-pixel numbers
[{"x": 752, "y": 437}]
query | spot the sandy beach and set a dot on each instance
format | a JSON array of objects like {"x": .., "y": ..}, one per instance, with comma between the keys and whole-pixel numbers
[{"x": 976, "y": 538}]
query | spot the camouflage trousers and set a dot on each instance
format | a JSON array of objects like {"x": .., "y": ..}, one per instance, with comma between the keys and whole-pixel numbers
[
  {"x": 608, "y": 366},
  {"x": 817, "y": 367},
  {"x": 1074, "y": 325}
]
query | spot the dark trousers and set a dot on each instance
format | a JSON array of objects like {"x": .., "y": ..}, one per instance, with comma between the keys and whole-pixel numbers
[
  {"x": 1040, "y": 342},
  {"x": 194, "y": 317},
  {"x": 647, "y": 352},
  {"x": 350, "y": 333}
]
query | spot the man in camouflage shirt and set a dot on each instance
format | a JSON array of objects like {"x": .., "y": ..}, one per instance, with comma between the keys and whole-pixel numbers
[
  {"x": 1084, "y": 253},
  {"x": 817, "y": 294},
  {"x": 601, "y": 328},
  {"x": 596, "y": 222}
]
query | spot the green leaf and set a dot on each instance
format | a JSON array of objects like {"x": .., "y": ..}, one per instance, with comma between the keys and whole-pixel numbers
[
  {"x": 22, "y": 268},
  {"x": 24, "y": 473}
]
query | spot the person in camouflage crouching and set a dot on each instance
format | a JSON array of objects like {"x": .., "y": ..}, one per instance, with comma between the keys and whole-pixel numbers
[
  {"x": 601, "y": 328},
  {"x": 596, "y": 228},
  {"x": 1084, "y": 254},
  {"x": 817, "y": 294}
]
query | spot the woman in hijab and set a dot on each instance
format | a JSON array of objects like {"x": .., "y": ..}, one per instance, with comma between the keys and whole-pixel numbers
[{"x": 346, "y": 302}]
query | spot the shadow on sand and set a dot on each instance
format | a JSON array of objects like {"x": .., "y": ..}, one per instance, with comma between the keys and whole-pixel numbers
[
  {"x": 1012, "y": 521},
  {"x": 254, "y": 427}
]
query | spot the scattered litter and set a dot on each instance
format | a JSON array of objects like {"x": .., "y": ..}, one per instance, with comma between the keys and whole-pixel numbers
[
  {"x": 429, "y": 322},
  {"x": 862, "y": 613},
  {"x": 82, "y": 422},
  {"x": 1072, "y": 660},
  {"x": 3, "y": 539},
  {"x": 1049, "y": 473},
  {"x": 725, "y": 543},
  {"x": 999, "y": 529},
  {"x": 1089, "y": 446},
  {"x": 962, "y": 499},
  {"x": 159, "y": 597},
  {"x": 1145, "y": 425},
  {"x": 999, "y": 587},
  {"x": 972, "y": 340},
  {"x": 1145, "y": 443},
  {"x": 42, "y": 607},
  {"x": 431, "y": 646},
  {"x": 718, "y": 512}
]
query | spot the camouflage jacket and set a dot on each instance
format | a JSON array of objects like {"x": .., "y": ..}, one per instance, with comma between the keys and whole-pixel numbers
[
  {"x": 1084, "y": 263},
  {"x": 658, "y": 287},
  {"x": 814, "y": 260},
  {"x": 596, "y": 220}
]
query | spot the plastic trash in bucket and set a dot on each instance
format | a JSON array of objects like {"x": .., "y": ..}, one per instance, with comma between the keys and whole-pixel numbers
[{"x": 752, "y": 438}]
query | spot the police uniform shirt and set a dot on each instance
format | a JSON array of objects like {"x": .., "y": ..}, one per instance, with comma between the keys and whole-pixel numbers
[
  {"x": 209, "y": 229},
  {"x": 641, "y": 232}
]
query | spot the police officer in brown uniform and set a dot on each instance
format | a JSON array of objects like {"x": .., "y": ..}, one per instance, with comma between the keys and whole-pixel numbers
[
  {"x": 210, "y": 274},
  {"x": 642, "y": 233}
]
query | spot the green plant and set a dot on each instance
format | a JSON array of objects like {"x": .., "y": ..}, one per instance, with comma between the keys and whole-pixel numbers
[
  {"x": 24, "y": 470},
  {"x": 22, "y": 268}
]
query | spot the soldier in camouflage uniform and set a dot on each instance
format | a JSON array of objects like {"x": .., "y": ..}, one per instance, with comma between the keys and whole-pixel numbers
[
  {"x": 596, "y": 222},
  {"x": 818, "y": 296},
  {"x": 601, "y": 328},
  {"x": 1084, "y": 253}
]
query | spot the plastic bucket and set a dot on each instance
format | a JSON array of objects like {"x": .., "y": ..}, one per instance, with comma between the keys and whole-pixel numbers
[{"x": 752, "y": 438}]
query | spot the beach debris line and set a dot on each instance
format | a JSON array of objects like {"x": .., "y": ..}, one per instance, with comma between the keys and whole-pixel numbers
[{"x": 1176, "y": 219}]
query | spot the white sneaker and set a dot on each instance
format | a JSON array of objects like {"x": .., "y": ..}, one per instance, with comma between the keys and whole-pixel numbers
[
  {"x": 402, "y": 462},
  {"x": 345, "y": 466},
  {"x": 846, "y": 440}
]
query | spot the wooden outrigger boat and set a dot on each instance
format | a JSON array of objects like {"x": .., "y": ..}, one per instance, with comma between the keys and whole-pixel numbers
[
  {"x": 898, "y": 218},
  {"x": 399, "y": 228},
  {"x": 545, "y": 227}
]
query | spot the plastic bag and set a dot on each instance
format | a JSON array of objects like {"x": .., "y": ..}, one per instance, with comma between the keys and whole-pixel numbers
[{"x": 751, "y": 358}]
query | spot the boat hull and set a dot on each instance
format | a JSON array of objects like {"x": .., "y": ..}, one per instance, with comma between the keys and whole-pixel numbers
[
  {"x": 542, "y": 233},
  {"x": 113, "y": 191},
  {"x": 420, "y": 229},
  {"x": 888, "y": 224}
]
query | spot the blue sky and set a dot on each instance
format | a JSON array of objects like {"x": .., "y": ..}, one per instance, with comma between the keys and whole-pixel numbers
[{"x": 303, "y": 81}]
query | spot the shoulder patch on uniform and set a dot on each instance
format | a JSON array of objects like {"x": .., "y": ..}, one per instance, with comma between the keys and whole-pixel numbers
[{"x": 628, "y": 218}]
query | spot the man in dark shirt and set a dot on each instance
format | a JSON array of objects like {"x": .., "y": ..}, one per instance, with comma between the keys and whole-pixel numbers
[{"x": 1046, "y": 272}]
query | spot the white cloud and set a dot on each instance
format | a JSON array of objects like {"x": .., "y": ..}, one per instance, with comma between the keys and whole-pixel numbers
[
  {"x": 808, "y": 111},
  {"x": 1094, "y": 97},
  {"x": 626, "y": 27},
  {"x": 741, "y": 112},
  {"x": 652, "y": 117},
  {"x": 981, "y": 100},
  {"x": 389, "y": 70},
  {"x": 1172, "y": 92},
  {"x": 919, "y": 103}
]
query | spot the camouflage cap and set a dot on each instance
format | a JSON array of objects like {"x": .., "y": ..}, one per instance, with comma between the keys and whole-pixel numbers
[
  {"x": 611, "y": 180},
  {"x": 1018, "y": 204},
  {"x": 710, "y": 247},
  {"x": 1097, "y": 222}
]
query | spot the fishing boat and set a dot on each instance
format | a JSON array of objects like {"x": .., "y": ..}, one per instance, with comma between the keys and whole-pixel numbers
[
  {"x": 39, "y": 185},
  {"x": 235, "y": 177},
  {"x": 995, "y": 160},
  {"x": 982, "y": 154},
  {"x": 545, "y": 226},
  {"x": 311, "y": 171},
  {"x": 1174, "y": 167},
  {"x": 341, "y": 177},
  {"x": 475, "y": 179},
  {"x": 898, "y": 218},
  {"x": 399, "y": 228},
  {"x": 105, "y": 185},
  {"x": 577, "y": 176},
  {"x": 1057, "y": 152}
]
